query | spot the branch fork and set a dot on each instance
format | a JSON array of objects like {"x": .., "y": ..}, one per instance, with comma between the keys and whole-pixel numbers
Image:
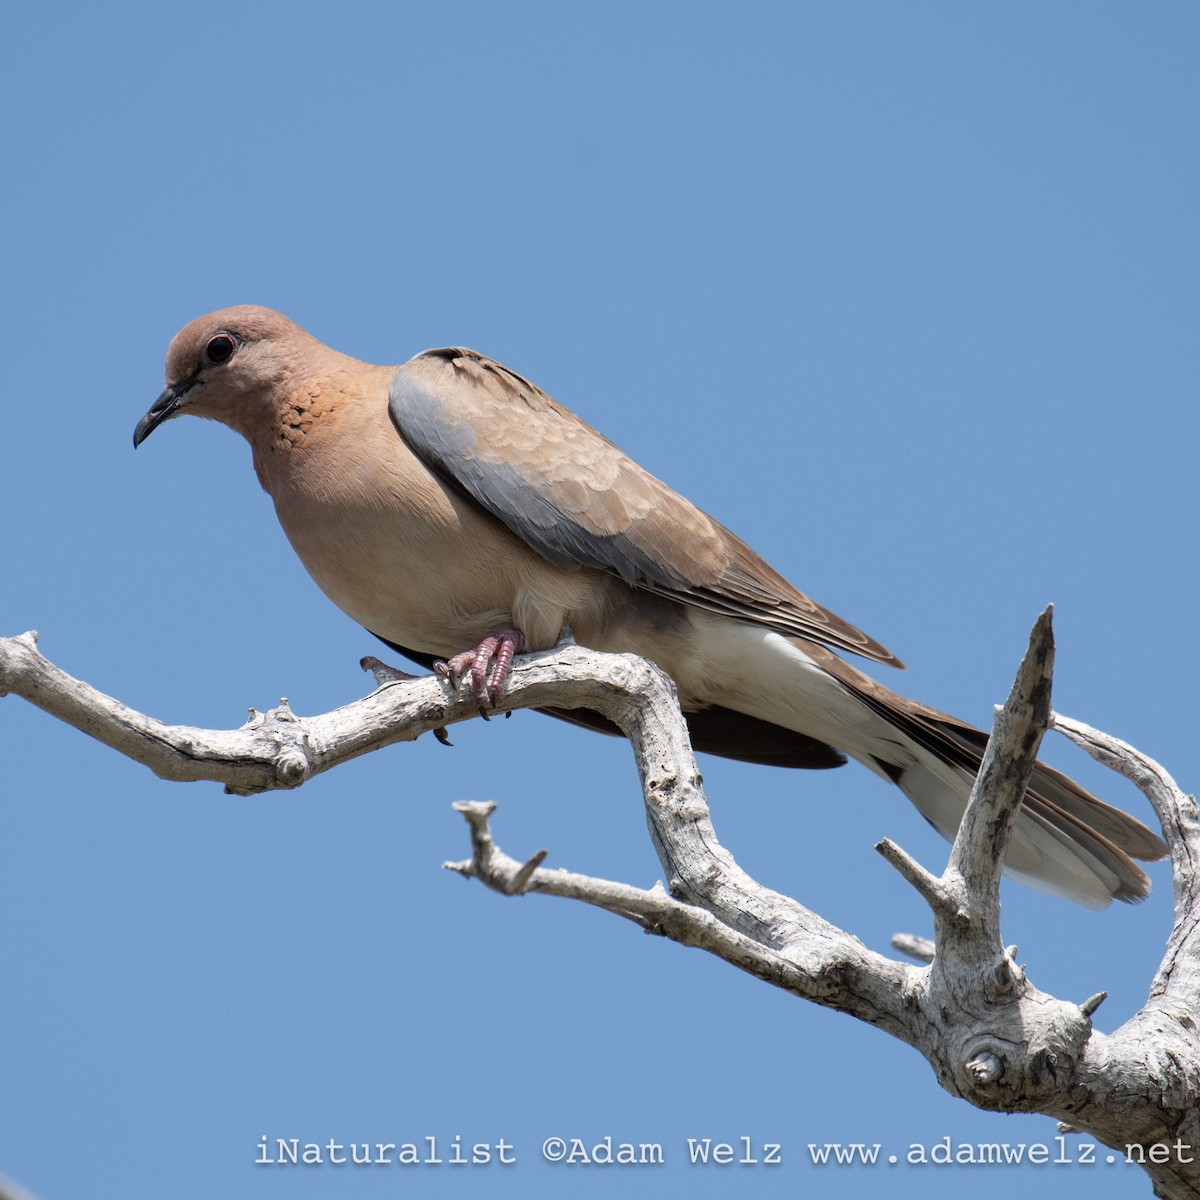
[
  {"x": 487, "y": 863},
  {"x": 990, "y": 1035}
]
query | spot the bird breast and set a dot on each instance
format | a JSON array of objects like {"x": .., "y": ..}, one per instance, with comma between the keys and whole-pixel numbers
[{"x": 399, "y": 550}]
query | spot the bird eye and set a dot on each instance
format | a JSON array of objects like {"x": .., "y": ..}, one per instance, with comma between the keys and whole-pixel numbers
[{"x": 220, "y": 348}]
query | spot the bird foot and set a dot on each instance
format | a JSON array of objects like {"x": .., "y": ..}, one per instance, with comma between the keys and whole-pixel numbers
[{"x": 488, "y": 664}]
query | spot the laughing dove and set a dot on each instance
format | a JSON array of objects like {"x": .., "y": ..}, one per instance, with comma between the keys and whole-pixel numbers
[{"x": 460, "y": 514}]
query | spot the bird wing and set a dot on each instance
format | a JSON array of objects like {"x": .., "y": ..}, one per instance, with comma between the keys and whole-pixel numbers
[{"x": 580, "y": 502}]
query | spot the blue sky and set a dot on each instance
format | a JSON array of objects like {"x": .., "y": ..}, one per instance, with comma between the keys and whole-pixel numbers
[{"x": 905, "y": 294}]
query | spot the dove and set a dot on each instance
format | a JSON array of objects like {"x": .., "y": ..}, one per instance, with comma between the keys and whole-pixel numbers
[{"x": 462, "y": 516}]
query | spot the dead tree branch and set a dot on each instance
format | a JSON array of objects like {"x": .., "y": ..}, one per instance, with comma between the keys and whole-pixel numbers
[{"x": 991, "y": 1036}]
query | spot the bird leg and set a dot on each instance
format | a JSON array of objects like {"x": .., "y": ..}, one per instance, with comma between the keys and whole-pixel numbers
[{"x": 489, "y": 663}]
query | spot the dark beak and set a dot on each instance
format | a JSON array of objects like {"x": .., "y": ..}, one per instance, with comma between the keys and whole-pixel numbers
[{"x": 165, "y": 407}]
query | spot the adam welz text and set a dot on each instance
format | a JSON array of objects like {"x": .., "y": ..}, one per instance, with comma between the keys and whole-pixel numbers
[{"x": 433, "y": 1151}]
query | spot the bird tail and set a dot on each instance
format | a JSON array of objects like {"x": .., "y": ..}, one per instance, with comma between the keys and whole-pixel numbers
[{"x": 1064, "y": 840}]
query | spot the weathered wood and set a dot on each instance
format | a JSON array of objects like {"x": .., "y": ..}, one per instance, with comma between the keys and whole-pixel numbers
[{"x": 990, "y": 1035}]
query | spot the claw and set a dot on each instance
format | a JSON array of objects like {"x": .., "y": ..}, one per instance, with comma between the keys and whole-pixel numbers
[{"x": 489, "y": 664}]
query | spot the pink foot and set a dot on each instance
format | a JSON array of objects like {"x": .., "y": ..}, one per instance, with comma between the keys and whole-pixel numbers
[{"x": 489, "y": 664}]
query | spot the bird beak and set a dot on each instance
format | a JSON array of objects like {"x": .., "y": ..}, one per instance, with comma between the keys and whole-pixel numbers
[{"x": 165, "y": 407}]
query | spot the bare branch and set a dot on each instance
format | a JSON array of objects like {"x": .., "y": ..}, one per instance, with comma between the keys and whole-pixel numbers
[
  {"x": 279, "y": 749},
  {"x": 922, "y": 949},
  {"x": 989, "y": 1034},
  {"x": 977, "y": 855},
  {"x": 931, "y": 888},
  {"x": 1179, "y": 972}
]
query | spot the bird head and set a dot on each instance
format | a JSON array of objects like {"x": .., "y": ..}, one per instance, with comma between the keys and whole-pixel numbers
[{"x": 225, "y": 366}]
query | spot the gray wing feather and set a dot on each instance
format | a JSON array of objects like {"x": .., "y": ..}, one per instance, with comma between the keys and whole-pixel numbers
[{"x": 580, "y": 502}]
